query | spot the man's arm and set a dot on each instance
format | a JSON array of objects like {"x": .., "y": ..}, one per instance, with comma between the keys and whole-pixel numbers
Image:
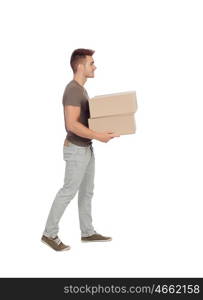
[
  {"x": 72, "y": 117},
  {"x": 72, "y": 123}
]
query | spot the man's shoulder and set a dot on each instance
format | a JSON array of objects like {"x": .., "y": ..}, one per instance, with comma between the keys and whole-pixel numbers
[
  {"x": 72, "y": 87},
  {"x": 73, "y": 94}
]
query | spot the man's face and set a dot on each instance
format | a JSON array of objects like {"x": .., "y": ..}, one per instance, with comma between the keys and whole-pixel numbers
[{"x": 89, "y": 67}]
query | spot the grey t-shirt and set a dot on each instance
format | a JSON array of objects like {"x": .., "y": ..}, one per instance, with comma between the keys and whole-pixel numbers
[{"x": 76, "y": 95}]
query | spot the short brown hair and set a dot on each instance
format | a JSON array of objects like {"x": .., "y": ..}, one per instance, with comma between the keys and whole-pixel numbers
[{"x": 78, "y": 56}]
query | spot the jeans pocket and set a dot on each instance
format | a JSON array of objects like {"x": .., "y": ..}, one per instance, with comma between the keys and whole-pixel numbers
[{"x": 68, "y": 152}]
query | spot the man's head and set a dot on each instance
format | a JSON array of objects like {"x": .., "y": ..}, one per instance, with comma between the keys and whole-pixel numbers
[{"x": 82, "y": 62}]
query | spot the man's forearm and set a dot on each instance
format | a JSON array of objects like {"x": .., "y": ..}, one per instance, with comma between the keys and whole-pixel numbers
[{"x": 83, "y": 131}]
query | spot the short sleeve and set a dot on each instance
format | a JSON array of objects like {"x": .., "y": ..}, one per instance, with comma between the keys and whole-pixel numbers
[{"x": 72, "y": 96}]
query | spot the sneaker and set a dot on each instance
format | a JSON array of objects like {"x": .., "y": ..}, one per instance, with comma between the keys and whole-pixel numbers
[
  {"x": 54, "y": 243},
  {"x": 96, "y": 238}
]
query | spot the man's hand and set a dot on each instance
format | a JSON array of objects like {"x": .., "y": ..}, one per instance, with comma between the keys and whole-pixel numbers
[{"x": 105, "y": 136}]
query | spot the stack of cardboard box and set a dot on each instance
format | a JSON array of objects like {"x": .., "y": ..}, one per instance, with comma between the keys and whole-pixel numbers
[{"x": 113, "y": 113}]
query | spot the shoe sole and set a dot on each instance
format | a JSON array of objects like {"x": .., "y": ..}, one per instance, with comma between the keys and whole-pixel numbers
[
  {"x": 97, "y": 241},
  {"x": 66, "y": 249}
]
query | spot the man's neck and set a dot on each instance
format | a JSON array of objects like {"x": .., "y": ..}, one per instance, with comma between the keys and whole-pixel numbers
[{"x": 80, "y": 80}]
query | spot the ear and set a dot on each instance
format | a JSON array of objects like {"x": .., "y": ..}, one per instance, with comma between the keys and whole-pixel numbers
[{"x": 80, "y": 67}]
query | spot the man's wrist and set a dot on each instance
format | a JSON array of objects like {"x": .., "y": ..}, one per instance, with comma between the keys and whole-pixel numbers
[{"x": 95, "y": 134}]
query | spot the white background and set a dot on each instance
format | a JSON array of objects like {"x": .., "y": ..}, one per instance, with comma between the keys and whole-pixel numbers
[{"x": 148, "y": 186}]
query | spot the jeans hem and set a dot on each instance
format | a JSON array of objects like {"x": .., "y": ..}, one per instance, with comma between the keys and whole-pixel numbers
[{"x": 88, "y": 234}]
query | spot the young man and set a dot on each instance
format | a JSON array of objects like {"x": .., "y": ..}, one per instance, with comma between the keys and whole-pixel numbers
[{"x": 78, "y": 154}]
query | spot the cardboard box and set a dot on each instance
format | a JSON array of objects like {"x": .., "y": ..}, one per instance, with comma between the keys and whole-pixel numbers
[
  {"x": 119, "y": 124},
  {"x": 113, "y": 113},
  {"x": 113, "y": 104}
]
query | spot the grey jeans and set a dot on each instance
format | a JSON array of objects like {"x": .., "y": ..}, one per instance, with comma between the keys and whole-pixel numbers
[{"x": 79, "y": 177}]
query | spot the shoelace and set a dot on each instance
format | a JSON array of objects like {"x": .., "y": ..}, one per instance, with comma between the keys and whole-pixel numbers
[{"x": 57, "y": 240}]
